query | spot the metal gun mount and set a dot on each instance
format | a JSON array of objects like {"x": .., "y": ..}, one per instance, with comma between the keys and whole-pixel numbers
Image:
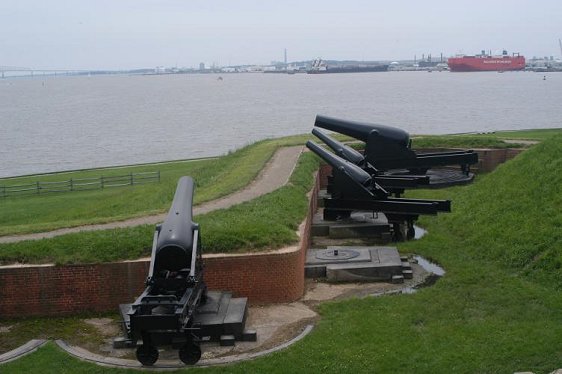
[
  {"x": 351, "y": 189},
  {"x": 164, "y": 313},
  {"x": 176, "y": 309},
  {"x": 393, "y": 183},
  {"x": 389, "y": 148}
]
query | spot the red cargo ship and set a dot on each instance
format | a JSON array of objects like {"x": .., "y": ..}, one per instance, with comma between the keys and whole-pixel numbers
[{"x": 487, "y": 62}]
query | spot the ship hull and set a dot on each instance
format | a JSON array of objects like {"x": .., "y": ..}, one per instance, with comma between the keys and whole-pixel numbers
[
  {"x": 476, "y": 63},
  {"x": 350, "y": 69}
]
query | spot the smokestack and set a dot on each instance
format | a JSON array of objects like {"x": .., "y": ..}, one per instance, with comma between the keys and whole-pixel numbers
[{"x": 285, "y": 57}]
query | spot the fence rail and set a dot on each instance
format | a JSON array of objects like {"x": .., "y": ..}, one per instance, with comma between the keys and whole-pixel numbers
[{"x": 79, "y": 184}]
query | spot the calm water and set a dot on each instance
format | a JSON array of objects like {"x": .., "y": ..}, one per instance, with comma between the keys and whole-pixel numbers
[{"x": 64, "y": 123}]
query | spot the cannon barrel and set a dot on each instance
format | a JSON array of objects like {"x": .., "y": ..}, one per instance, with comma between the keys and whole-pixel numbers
[
  {"x": 175, "y": 240},
  {"x": 355, "y": 172},
  {"x": 361, "y": 131},
  {"x": 339, "y": 148}
]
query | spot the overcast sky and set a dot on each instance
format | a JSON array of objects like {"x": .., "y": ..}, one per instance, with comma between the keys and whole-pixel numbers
[{"x": 123, "y": 34}]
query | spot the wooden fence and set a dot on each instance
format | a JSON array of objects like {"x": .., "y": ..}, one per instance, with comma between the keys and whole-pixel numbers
[{"x": 79, "y": 184}]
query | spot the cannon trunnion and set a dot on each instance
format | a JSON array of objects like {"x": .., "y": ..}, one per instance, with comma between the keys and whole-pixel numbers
[{"x": 175, "y": 309}]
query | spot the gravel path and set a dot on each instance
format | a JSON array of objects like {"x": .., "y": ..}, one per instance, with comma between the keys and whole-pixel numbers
[{"x": 275, "y": 174}]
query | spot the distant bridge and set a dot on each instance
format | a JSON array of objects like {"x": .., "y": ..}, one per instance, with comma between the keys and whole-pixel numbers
[{"x": 17, "y": 69}]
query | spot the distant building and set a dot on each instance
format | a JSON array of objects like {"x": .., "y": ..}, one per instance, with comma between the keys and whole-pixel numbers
[{"x": 201, "y": 66}]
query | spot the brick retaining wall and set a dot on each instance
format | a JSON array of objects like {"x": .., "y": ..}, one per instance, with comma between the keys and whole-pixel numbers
[{"x": 50, "y": 290}]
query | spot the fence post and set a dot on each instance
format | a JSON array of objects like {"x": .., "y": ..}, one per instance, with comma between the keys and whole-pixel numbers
[
  {"x": 4, "y": 191},
  {"x": 71, "y": 185},
  {"x": 101, "y": 182},
  {"x": 38, "y": 188},
  {"x": 131, "y": 177},
  {"x": 158, "y": 176}
]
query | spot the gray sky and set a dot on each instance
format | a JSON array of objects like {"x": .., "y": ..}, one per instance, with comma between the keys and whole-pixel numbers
[{"x": 123, "y": 34}]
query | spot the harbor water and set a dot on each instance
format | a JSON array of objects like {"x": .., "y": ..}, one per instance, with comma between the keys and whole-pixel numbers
[{"x": 63, "y": 123}]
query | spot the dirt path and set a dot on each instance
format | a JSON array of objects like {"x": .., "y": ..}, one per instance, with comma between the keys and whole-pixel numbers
[{"x": 275, "y": 174}]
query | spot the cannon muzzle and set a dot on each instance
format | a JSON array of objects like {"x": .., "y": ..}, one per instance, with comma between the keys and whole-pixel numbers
[
  {"x": 339, "y": 148},
  {"x": 355, "y": 172},
  {"x": 363, "y": 131},
  {"x": 175, "y": 240}
]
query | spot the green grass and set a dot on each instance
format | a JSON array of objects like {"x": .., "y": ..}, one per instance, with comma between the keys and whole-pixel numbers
[
  {"x": 214, "y": 178},
  {"x": 497, "y": 310},
  {"x": 461, "y": 141},
  {"x": 537, "y": 134},
  {"x": 72, "y": 329},
  {"x": 269, "y": 221}
]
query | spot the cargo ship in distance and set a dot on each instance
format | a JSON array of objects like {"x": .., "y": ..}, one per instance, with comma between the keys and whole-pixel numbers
[
  {"x": 320, "y": 67},
  {"x": 487, "y": 62}
]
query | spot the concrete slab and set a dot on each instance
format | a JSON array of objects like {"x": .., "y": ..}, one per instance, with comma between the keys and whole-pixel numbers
[
  {"x": 27, "y": 348},
  {"x": 345, "y": 264}
]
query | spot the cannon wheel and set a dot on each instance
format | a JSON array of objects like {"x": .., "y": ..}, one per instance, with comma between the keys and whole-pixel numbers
[
  {"x": 190, "y": 353},
  {"x": 147, "y": 354}
]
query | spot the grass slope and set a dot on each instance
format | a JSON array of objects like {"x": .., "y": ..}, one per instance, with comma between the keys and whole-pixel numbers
[
  {"x": 269, "y": 221},
  {"x": 536, "y": 134},
  {"x": 461, "y": 141},
  {"x": 497, "y": 310},
  {"x": 214, "y": 177}
]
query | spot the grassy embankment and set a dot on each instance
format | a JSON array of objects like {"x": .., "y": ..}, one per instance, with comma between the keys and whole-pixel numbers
[
  {"x": 497, "y": 310},
  {"x": 536, "y": 134},
  {"x": 224, "y": 231},
  {"x": 214, "y": 178},
  {"x": 485, "y": 140},
  {"x": 461, "y": 141},
  {"x": 269, "y": 221}
]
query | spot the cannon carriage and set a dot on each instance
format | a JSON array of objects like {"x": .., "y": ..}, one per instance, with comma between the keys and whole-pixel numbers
[
  {"x": 164, "y": 313},
  {"x": 353, "y": 189},
  {"x": 175, "y": 309}
]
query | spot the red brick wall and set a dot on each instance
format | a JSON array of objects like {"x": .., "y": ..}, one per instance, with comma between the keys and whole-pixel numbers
[{"x": 65, "y": 290}]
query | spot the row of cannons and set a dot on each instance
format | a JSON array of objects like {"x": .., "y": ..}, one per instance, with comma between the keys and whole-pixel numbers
[
  {"x": 375, "y": 180},
  {"x": 177, "y": 310}
]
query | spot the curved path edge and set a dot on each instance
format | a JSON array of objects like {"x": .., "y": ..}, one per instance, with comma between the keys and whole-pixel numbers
[
  {"x": 275, "y": 174},
  {"x": 29, "y": 347},
  {"x": 132, "y": 364}
]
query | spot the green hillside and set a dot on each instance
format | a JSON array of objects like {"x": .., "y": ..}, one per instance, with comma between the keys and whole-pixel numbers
[{"x": 497, "y": 309}]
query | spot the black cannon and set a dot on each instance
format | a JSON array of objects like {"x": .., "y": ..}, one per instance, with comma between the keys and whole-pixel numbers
[
  {"x": 164, "y": 313},
  {"x": 352, "y": 188},
  {"x": 388, "y": 148},
  {"x": 394, "y": 183}
]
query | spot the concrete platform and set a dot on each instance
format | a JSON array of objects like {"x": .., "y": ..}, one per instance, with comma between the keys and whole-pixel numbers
[
  {"x": 359, "y": 225},
  {"x": 352, "y": 264}
]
